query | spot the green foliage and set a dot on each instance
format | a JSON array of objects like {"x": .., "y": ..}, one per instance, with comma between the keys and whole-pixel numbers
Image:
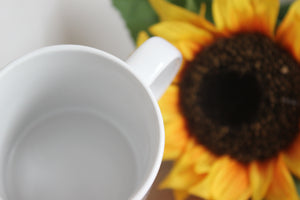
[
  {"x": 138, "y": 14},
  {"x": 283, "y": 9},
  {"x": 297, "y": 182},
  {"x": 194, "y": 6}
]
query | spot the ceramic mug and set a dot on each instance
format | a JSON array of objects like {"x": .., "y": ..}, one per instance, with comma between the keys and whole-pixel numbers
[{"x": 78, "y": 123}]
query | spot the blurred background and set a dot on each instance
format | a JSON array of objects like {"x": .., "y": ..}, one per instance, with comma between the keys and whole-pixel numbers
[
  {"x": 27, "y": 25},
  {"x": 30, "y": 24}
]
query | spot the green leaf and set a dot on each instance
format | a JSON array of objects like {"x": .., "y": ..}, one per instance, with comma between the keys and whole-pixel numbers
[
  {"x": 138, "y": 15},
  {"x": 297, "y": 183},
  {"x": 208, "y": 13},
  {"x": 284, "y": 7},
  {"x": 194, "y": 6},
  {"x": 178, "y": 2}
]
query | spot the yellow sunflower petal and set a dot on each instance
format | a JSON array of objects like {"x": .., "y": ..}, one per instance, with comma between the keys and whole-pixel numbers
[
  {"x": 282, "y": 185},
  {"x": 182, "y": 175},
  {"x": 202, "y": 188},
  {"x": 202, "y": 10},
  {"x": 289, "y": 30},
  {"x": 180, "y": 194},
  {"x": 175, "y": 129},
  {"x": 292, "y": 158},
  {"x": 180, "y": 181},
  {"x": 188, "y": 49},
  {"x": 176, "y": 138},
  {"x": 176, "y": 30},
  {"x": 204, "y": 163},
  {"x": 170, "y": 12},
  {"x": 230, "y": 180},
  {"x": 246, "y": 15},
  {"x": 191, "y": 155},
  {"x": 169, "y": 104},
  {"x": 261, "y": 175},
  {"x": 141, "y": 38}
]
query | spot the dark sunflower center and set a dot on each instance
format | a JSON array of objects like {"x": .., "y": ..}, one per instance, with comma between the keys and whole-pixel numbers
[
  {"x": 226, "y": 93},
  {"x": 240, "y": 96}
]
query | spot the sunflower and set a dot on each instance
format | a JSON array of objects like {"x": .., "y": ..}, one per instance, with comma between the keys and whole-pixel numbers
[{"x": 232, "y": 113}]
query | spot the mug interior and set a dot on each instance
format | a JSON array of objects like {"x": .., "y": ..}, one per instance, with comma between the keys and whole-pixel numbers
[{"x": 75, "y": 125}]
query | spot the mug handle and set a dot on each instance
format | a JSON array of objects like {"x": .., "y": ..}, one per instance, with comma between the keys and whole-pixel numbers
[{"x": 155, "y": 62}]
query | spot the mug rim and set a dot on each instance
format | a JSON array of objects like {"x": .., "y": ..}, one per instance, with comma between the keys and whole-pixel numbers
[{"x": 141, "y": 191}]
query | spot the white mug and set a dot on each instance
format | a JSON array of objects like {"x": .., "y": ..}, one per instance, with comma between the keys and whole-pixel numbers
[{"x": 80, "y": 124}]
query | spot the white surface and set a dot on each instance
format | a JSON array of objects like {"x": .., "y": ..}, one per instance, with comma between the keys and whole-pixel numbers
[
  {"x": 30, "y": 24},
  {"x": 72, "y": 155},
  {"x": 41, "y": 93}
]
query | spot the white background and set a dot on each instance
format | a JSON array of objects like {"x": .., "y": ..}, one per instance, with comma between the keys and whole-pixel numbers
[{"x": 26, "y": 25}]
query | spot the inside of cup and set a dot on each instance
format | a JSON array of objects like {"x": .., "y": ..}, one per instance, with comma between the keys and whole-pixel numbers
[{"x": 76, "y": 125}]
